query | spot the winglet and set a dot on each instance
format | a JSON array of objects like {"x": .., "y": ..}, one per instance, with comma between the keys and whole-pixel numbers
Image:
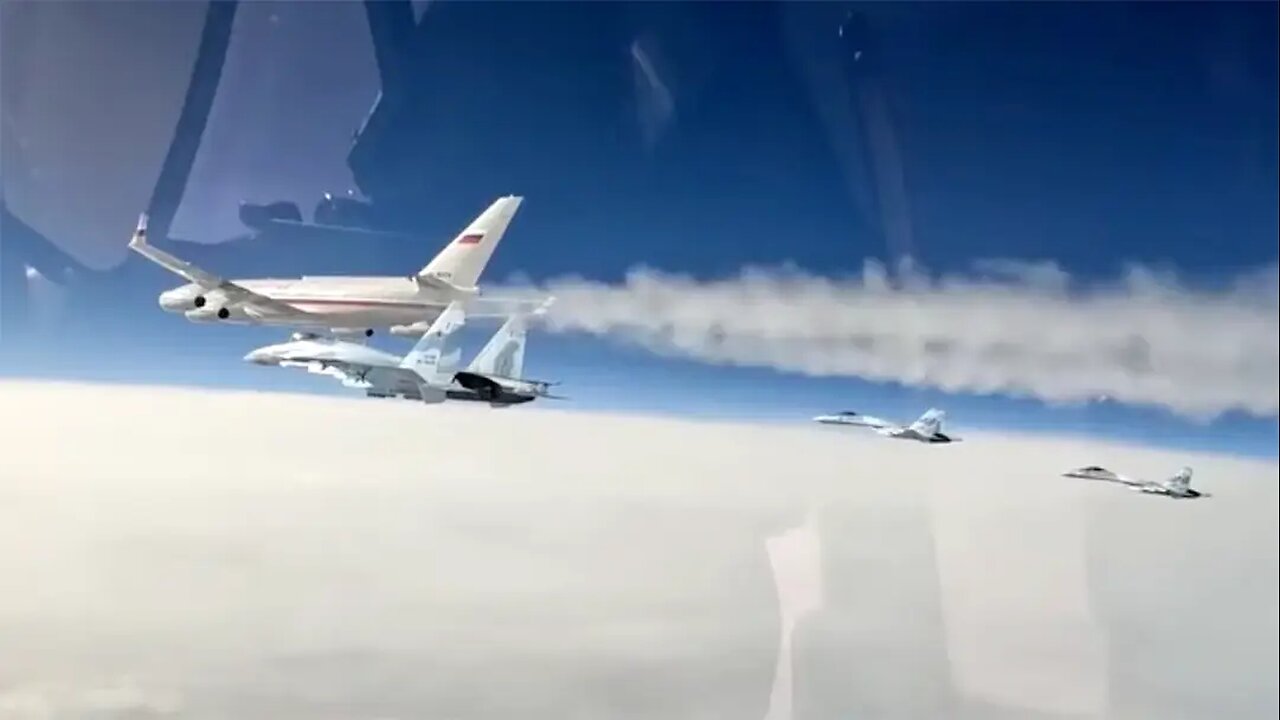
[{"x": 139, "y": 238}]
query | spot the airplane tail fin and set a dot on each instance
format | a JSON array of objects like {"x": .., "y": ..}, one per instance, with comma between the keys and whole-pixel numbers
[
  {"x": 462, "y": 261},
  {"x": 139, "y": 238},
  {"x": 1182, "y": 480},
  {"x": 930, "y": 423},
  {"x": 427, "y": 355},
  {"x": 503, "y": 355}
]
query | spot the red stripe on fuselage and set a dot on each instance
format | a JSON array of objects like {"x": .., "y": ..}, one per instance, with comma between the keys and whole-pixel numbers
[{"x": 354, "y": 303}]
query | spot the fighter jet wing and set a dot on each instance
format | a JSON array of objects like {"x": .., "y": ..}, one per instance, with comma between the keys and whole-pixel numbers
[
  {"x": 253, "y": 303},
  {"x": 348, "y": 372},
  {"x": 871, "y": 422},
  {"x": 403, "y": 379},
  {"x": 1093, "y": 472},
  {"x": 359, "y": 375}
]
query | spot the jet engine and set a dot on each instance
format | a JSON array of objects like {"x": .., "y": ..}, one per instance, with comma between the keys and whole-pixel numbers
[
  {"x": 352, "y": 332},
  {"x": 415, "y": 330},
  {"x": 208, "y": 313}
]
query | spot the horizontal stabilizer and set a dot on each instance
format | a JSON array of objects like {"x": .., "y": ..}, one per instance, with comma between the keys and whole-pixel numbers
[{"x": 438, "y": 283}]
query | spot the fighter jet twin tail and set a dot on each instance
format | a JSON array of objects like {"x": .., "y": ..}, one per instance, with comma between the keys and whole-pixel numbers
[
  {"x": 1178, "y": 486},
  {"x": 425, "y": 373},
  {"x": 928, "y": 429},
  {"x": 431, "y": 305}
]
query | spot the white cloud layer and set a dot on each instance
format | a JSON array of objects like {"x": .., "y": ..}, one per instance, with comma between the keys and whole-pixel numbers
[
  {"x": 1008, "y": 327},
  {"x": 206, "y": 555}
]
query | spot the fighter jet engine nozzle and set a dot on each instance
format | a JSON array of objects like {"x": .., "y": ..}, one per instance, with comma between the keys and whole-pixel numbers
[{"x": 198, "y": 301}]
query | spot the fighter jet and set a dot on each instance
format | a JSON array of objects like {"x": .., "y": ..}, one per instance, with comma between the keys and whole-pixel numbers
[
  {"x": 1178, "y": 486},
  {"x": 344, "y": 306},
  {"x": 928, "y": 429},
  {"x": 425, "y": 373}
]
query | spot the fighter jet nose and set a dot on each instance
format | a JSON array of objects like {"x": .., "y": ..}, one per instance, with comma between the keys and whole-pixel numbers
[{"x": 258, "y": 357}]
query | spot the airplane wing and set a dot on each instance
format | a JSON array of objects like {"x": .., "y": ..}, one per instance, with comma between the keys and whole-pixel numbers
[
  {"x": 359, "y": 375},
  {"x": 404, "y": 379},
  {"x": 253, "y": 303},
  {"x": 1126, "y": 480},
  {"x": 872, "y": 422},
  {"x": 350, "y": 373},
  {"x": 440, "y": 283},
  {"x": 1093, "y": 472}
]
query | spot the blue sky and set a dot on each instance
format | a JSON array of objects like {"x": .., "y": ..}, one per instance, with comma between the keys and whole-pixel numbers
[{"x": 1093, "y": 134}]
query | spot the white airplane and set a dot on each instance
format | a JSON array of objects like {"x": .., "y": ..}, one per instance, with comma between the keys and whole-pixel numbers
[
  {"x": 928, "y": 429},
  {"x": 425, "y": 373},
  {"x": 349, "y": 306},
  {"x": 1178, "y": 486}
]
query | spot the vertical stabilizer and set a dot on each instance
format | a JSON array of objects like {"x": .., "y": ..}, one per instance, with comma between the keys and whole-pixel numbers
[
  {"x": 503, "y": 355},
  {"x": 425, "y": 357},
  {"x": 1182, "y": 481},
  {"x": 463, "y": 260},
  {"x": 929, "y": 423}
]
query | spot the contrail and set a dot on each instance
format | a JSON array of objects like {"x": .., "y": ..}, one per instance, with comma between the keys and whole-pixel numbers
[{"x": 1022, "y": 329}]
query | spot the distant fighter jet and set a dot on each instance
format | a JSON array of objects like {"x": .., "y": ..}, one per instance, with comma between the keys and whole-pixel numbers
[
  {"x": 343, "y": 306},
  {"x": 928, "y": 429},
  {"x": 425, "y": 373},
  {"x": 1178, "y": 486}
]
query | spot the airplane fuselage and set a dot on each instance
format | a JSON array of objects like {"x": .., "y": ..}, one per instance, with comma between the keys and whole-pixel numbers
[
  {"x": 320, "y": 351},
  {"x": 900, "y": 433},
  {"x": 909, "y": 434},
  {"x": 379, "y": 379},
  {"x": 1178, "y": 487},
  {"x": 377, "y": 387},
  {"x": 329, "y": 301},
  {"x": 1175, "y": 493}
]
